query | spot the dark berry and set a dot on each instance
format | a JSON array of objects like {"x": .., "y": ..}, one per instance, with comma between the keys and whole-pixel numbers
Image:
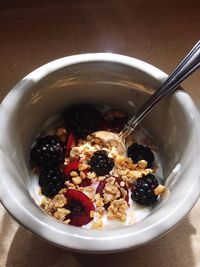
[
  {"x": 48, "y": 151},
  {"x": 51, "y": 181},
  {"x": 82, "y": 120},
  {"x": 143, "y": 190},
  {"x": 100, "y": 163},
  {"x": 80, "y": 207},
  {"x": 139, "y": 152}
]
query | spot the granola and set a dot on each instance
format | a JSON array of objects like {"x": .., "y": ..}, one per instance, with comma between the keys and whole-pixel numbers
[{"x": 100, "y": 184}]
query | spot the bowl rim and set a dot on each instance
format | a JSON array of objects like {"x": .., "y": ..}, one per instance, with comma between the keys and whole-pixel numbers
[{"x": 77, "y": 239}]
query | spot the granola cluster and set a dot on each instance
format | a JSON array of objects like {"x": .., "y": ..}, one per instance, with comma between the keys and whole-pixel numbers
[{"x": 55, "y": 206}]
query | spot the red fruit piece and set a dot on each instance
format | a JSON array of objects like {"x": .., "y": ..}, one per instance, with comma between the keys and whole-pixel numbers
[
  {"x": 114, "y": 121},
  {"x": 100, "y": 188},
  {"x": 80, "y": 207},
  {"x": 72, "y": 166},
  {"x": 86, "y": 182},
  {"x": 71, "y": 142},
  {"x": 119, "y": 180}
]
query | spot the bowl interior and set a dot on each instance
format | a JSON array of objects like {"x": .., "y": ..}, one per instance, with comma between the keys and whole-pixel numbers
[
  {"x": 33, "y": 101},
  {"x": 97, "y": 83}
]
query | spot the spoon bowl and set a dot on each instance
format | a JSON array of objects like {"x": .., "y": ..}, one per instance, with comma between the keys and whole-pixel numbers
[{"x": 112, "y": 139}]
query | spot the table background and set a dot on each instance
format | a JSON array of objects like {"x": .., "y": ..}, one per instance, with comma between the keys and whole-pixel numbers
[{"x": 158, "y": 32}]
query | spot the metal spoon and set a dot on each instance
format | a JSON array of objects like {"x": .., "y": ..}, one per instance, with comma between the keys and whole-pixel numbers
[{"x": 188, "y": 65}]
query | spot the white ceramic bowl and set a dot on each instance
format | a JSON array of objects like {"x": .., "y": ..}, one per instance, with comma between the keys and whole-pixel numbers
[{"x": 109, "y": 79}]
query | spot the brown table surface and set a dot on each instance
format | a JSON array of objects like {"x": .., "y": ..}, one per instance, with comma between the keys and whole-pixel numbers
[{"x": 158, "y": 32}]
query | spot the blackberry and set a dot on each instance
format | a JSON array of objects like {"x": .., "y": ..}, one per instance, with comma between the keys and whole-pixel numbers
[
  {"x": 51, "y": 181},
  {"x": 100, "y": 163},
  {"x": 48, "y": 151},
  {"x": 143, "y": 190},
  {"x": 138, "y": 152},
  {"x": 82, "y": 120}
]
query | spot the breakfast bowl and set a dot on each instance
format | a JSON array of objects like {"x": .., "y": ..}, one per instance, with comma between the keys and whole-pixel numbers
[{"x": 100, "y": 79}]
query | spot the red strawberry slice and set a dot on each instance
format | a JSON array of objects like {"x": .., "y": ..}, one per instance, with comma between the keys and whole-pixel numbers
[
  {"x": 71, "y": 142},
  {"x": 72, "y": 166},
  {"x": 102, "y": 184},
  {"x": 80, "y": 207}
]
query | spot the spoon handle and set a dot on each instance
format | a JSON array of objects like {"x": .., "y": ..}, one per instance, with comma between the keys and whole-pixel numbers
[{"x": 188, "y": 65}]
